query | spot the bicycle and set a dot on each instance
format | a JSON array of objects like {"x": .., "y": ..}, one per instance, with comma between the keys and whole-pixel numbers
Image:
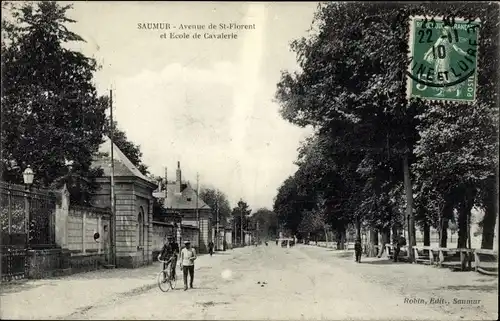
[{"x": 166, "y": 280}]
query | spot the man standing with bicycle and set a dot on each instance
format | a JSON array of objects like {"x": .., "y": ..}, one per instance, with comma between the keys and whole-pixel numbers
[{"x": 169, "y": 254}]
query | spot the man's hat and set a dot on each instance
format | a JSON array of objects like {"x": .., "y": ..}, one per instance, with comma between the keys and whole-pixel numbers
[{"x": 187, "y": 242}]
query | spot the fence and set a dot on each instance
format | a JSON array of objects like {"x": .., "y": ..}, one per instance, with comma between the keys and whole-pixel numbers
[
  {"x": 27, "y": 211},
  {"x": 26, "y": 221}
]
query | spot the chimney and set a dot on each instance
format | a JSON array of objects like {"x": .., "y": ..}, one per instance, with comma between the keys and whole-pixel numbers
[
  {"x": 166, "y": 177},
  {"x": 178, "y": 180}
]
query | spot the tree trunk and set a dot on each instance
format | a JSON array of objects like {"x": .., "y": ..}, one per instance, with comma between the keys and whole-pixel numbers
[
  {"x": 326, "y": 235},
  {"x": 358, "y": 229},
  {"x": 443, "y": 232},
  {"x": 394, "y": 232},
  {"x": 372, "y": 251},
  {"x": 427, "y": 234},
  {"x": 443, "y": 223},
  {"x": 490, "y": 217},
  {"x": 385, "y": 234},
  {"x": 414, "y": 233},
  {"x": 409, "y": 207},
  {"x": 342, "y": 238},
  {"x": 464, "y": 214},
  {"x": 462, "y": 229}
]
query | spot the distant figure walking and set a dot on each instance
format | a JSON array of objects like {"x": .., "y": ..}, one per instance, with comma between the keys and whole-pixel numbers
[
  {"x": 211, "y": 248},
  {"x": 358, "y": 250},
  {"x": 399, "y": 242},
  {"x": 188, "y": 256}
]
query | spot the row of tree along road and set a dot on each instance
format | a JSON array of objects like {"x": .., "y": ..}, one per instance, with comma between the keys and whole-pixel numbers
[{"x": 376, "y": 158}]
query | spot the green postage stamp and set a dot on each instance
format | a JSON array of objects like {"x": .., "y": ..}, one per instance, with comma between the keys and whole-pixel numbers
[{"x": 443, "y": 59}]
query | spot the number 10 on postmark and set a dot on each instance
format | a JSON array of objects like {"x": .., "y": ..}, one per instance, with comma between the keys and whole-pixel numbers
[{"x": 443, "y": 59}]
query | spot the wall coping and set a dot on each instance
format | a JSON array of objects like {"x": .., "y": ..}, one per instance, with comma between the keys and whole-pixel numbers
[
  {"x": 128, "y": 179},
  {"x": 163, "y": 223},
  {"x": 95, "y": 210}
]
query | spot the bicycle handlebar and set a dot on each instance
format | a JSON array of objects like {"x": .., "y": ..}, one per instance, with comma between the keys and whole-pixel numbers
[{"x": 162, "y": 261}]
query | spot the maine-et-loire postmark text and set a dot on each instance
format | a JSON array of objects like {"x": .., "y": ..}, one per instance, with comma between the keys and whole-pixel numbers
[{"x": 443, "y": 59}]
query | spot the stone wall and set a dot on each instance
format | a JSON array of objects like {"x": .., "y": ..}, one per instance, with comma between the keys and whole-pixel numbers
[
  {"x": 161, "y": 231},
  {"x": 58, "y": 262},
  {"x": 229, "y": 239},
  {"x": 189, "y": 218},
  {"x": 82, "y": 224}
]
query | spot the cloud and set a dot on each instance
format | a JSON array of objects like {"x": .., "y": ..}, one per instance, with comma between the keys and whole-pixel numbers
[{"x": 187, "y": 114}]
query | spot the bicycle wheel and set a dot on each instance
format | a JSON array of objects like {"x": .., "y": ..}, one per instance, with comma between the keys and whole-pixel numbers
[{"x": 163, "y": 282}]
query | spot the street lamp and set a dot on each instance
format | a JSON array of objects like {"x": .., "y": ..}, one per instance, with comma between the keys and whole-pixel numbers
[{"x": 28, "y": 176}]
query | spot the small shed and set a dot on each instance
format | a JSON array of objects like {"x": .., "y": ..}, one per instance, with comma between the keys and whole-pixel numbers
[{"x": 134, "y": 205}]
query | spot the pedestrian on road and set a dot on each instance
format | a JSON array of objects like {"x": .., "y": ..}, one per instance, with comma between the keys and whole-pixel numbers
[
  {"x": 188, "y": 255},
  {"x": 357, "y": 249},
  {"x": 399, "y": 242},
  {"x": 211, "y": 248}
]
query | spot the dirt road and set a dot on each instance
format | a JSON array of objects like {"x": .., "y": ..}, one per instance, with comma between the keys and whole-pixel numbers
[{"x": 307, "y": 282}]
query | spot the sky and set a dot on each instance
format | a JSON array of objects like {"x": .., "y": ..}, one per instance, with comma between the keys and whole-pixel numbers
[{"x": 206, "y": 103}]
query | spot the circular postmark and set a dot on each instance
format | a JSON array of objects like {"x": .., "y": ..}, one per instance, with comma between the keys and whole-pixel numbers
[{"x": 443, "y": 58}]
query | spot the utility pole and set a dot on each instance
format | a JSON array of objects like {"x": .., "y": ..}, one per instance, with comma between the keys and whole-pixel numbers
[
  {"x": 257, "y": 235},
  {"x": 112, "y": 180},
  {"x": 197, "y": 211},
  {"x": 242, "y": 240}
]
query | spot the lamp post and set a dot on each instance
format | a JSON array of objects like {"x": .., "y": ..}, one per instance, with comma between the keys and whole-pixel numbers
[{"x": 28, "y": 176}]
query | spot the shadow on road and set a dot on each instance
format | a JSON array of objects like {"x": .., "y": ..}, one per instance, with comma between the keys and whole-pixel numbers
[
  {"x": 181, "y": 288},
  {"x": 382, "y": 262},
  {"x": 483, "y": 288},
  {"x": 17, "y": 286}
]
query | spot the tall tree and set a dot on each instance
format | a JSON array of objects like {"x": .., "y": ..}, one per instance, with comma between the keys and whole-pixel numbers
[
  {"x": 218, "y": 202},
  {"x": 50, "y": 108},
  {"x": 240, "y": 219},
  {"x": 352, "y": 90},
  {"x": 287, "y": 205},
  {"x": 266, "y": 223}
]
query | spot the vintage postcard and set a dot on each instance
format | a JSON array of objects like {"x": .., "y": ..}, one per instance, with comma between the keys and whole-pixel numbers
[{"x": 249, "y": 160}]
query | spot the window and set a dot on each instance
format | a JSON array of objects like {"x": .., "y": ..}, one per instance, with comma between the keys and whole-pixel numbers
[
  {"x": 189, "y": 199},
  {"x": 140, "y": 227}
]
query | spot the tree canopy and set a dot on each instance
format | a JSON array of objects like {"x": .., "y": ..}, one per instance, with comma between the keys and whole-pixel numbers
[
  {"x": 218, "y": 202},
  {"x": 351, "y": 90},
  {"x": 50, "y": 108}
]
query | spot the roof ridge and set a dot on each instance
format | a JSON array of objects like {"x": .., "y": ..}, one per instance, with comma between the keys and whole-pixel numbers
[{"x": 105, "y": 148}]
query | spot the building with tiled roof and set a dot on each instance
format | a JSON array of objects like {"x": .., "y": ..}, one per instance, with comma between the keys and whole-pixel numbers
[
  {"x": 123, "y": 166},
  {"x": 133, "y": 204},
  {"x": 181, "y": 199}
]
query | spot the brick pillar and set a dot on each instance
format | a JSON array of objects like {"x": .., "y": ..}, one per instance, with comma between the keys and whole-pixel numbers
[{"x": 61, "y": 217}]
